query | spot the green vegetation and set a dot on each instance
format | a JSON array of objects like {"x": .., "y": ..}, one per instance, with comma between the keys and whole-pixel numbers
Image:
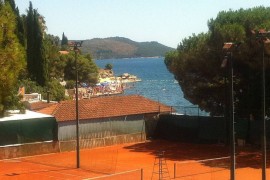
[
  {"x": 36, "y": 60},
  {"x": 87, "y": 69},
  {"x": 196, "y": 63},
  {"x": 12, "y": 60},
  {"x": 30, "y": 58},
  {"x": 64, "y": 42},
  {"x": 119, "y": 47},
  {"x": 108, "y": 66}
]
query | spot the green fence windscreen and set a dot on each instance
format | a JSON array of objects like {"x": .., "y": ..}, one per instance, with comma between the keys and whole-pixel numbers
[
  {"x": 210, "y": 129},
  {"x": 191, "y": 128},
  {"x": 28, "y": 130}
]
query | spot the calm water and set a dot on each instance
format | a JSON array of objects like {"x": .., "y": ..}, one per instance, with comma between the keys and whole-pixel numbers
[{"x": 157, "y": 82}]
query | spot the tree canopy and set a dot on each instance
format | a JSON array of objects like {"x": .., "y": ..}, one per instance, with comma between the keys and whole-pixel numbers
[
  {"x": 108, "y": 66},
  {"x": 30, "y": 58},
  {"x": 36, "y": 59},
  {"x": 87, "y": 69},
  {"x": 12, "y": 59},
  {"x": 64, "y": 42},
  {"x": 196, "y": 63}
]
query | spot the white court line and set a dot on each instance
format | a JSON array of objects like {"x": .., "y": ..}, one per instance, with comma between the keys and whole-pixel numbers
[
  {"x": 115, "y": 174},
  {"x": 203, "y": 160}
]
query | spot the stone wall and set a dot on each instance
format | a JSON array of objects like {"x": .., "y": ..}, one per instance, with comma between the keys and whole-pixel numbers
[
  {"x": 31, "y": 149},
  {"x": 101, "y": 142}
]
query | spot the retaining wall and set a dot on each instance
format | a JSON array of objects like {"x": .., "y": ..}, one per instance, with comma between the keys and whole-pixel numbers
[
  {"x": 101, "y": 142},
  {"x": 30, "y": 149}
]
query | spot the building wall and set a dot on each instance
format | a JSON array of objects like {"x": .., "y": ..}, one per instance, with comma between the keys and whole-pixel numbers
[{"x": 101, "y": 128}]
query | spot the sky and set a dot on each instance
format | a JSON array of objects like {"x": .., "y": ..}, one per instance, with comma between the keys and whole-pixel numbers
[{"x": 165, "y": 21}]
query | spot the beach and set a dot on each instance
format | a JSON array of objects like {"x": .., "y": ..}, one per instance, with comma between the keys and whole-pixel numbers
[{"x": 108, "y": 84}]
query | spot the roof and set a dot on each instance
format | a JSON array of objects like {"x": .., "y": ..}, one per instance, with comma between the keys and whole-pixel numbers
[
  {"x": 103, "y": 107},
  {"x": 35, "y": 106},
  {"x": 15, "y": 115}
]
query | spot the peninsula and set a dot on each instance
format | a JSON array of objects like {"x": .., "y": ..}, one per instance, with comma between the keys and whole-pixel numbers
[{"x": 120, "y": 47}]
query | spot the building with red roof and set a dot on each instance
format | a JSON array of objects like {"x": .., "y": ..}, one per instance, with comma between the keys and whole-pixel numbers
[
  {"x": 105, "y": 116},
  {"x": 38, "y": 105}
]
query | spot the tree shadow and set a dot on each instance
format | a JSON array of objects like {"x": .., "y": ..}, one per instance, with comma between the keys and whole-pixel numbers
[{"x": 249, "y": 156}]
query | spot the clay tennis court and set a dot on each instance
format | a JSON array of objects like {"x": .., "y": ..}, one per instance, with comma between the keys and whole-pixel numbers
[{"x": 139, "y": 160}]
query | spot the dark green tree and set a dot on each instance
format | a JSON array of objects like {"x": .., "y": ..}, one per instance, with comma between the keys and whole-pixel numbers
[
  {"x": 170, "y": 58},
  {"x": 57, "y": 91},
  {"x": 64, "y": 42},
  {"x": 12, "y": 4},
  {"x": 19, "y": 26},
  {"x": 109, "y": 66},
  {"x": 55, "y": 62},
  {"x": 30, "y": 42},
  {"x": 93, "y": 70},
  {"x": 87, "y": 69},
  {"x": 36, "y": 59},
  {"x": 12, "y": 59},
  {"x": 20, "y": 31},
  {"x": 197, "y": 63}
]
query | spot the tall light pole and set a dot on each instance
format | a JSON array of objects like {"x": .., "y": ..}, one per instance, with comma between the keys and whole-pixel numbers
[
  {"x": 75, "y": 46},
  {"x": 263, "y": 37},
  {"x": 228, "y": 48}
]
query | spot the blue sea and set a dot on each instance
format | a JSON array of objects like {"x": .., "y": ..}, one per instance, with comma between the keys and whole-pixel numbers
[{"x": 157, "y": 82}]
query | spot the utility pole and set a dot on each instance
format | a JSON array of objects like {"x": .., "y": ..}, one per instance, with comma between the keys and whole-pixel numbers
[
  {"x": 263, "y": 37},
  {"x": 75, "y": 46},
  {"x": 228, "y": 59}
]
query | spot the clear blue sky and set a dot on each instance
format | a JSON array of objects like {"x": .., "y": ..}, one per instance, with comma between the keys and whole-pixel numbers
[{"x": 165, "y": 21}]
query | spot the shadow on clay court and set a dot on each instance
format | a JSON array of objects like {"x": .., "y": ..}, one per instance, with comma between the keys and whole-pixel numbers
[{"x": 176, "y": 151}]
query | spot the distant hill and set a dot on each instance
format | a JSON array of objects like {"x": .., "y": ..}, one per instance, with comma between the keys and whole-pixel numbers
[{"x": 119, "y": 47}]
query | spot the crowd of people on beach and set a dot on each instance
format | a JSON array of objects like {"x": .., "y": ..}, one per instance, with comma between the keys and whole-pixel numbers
[{"x": 108, "y": 85}]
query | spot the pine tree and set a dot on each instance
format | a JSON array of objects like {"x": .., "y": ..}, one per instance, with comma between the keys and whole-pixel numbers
[
  {"x": 12, "y": 58},
  {"x": 19, "y": 24},
  {"x": 12, "y": 4}
]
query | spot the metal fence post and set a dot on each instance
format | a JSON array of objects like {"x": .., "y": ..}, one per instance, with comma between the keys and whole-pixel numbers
[{"x": 174, "y": 170}]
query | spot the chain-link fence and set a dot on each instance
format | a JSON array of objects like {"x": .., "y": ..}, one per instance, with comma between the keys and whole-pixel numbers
[{"x": 188, "y": 110}]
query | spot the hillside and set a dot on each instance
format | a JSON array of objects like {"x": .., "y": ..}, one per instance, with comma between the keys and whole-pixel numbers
[{"x": 119, "y": 47}]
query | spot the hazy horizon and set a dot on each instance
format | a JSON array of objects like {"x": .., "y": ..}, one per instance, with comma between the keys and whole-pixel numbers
[{"x": 167, "y": 22}]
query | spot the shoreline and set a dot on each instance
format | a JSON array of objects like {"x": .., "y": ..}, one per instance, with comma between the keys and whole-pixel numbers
[
  {"x": 105, "y": 87},
  {"x": 152, "y": 57}
]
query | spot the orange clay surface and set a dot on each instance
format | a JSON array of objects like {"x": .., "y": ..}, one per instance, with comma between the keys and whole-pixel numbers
[{"x": 117, "y": 159}]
